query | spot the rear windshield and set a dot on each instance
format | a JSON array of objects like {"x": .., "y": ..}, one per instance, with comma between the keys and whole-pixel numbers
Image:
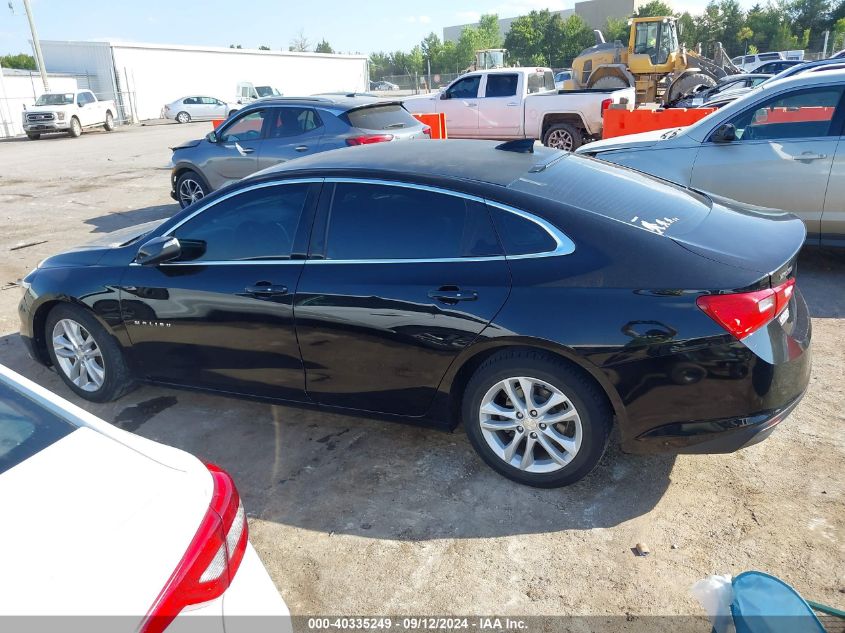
[
  {"x": 390, "y": 116},
  {"x": 617, "y": 193},
  {"x": 541, "y": 82},
  {"x": 25, "y": 428}
]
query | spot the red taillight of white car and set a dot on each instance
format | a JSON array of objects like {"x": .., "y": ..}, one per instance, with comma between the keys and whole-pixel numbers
[
  {"x": 746, "y": 312},
  {"x": 368, "y": 139},
  {"x": 211, "y": 560}
]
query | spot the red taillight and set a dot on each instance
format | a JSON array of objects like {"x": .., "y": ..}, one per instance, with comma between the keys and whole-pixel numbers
[
  {"x": 427, "y": 131},
  {"x": 211, "y": 560},
  {"x": 745, "y": 312},
  {"x": 368, "y": 139},
  {"x": 605, "y": 104}
]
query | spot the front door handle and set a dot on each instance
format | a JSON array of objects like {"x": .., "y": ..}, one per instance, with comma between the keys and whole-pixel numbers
[
  {"x": 472, "y": 105},
  {"x": 809, "y": 156},
  {"x": 266, "y": 289},
  {"x": 452, "y": 295},
  {"x": 243, "y": 151},
  {"x": 301, "y": 148}
]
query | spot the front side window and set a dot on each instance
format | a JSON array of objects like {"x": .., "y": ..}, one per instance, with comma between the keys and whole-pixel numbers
[
  {"x": 377, "y": 222},
  {"x": 667, "y": 43},
  {"x": 501, "y": 85},
  {"x": 466, "y": 88},
  {"x": 646, "y": 38},
  {"x": 802, "y": 114},
  {"x": 289, "y": 122},
  {"x": 252, "y": 225},
  {"x": 245, "y": 128}
]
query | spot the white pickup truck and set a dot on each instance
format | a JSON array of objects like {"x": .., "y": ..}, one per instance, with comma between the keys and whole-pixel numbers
[
  {"x": 512, "y": 103},
  {"x": 68, "y": 112}
]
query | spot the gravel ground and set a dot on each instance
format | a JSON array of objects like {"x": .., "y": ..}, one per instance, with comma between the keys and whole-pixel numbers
[{"x": 365, "y": 517}]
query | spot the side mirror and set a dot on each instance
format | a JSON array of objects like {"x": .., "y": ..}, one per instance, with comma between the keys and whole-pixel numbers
[
  {"x": 726, "y": 133},
  {"x": 211, "y": 137},
  {"x": 158, "y": 250},
  {"x": 446, "y": 95}
]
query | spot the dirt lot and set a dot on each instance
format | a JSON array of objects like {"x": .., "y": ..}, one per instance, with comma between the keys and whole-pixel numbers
[{"x": 363, "y": 517}]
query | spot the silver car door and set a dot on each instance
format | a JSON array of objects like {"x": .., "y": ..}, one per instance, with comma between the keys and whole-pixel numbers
[
  {"x": 235, "y": 154},
  {"x": 292, "y": 131},
  {"x": 833, "y": 218},
  {"x": 781, "y": 157}
]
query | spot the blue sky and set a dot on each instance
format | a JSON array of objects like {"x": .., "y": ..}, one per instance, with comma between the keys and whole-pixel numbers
[{"x": 363, "y": 26}]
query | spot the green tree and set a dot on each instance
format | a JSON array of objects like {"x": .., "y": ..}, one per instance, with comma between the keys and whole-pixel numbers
[
  {"x": 468, "y": 43},
  {"x": 577, "y": 35},
  {"x": 263, "y": 48},
  {"x": 617, "y": 29},
  {"x": 489, "y": 35},
  {"x": 655, "y": 8},
  {"x": 300, "y": 43},
  {"x": 808, "y": 14},
  {"x": 838, "y": 34},
  {"x": 324, "y": 47},
  {"x": 235, "y": 46},
  {"x": 21, "y": 61},
  {"x": 744, "y": 36},
  {"x": 526, "y": 39}
]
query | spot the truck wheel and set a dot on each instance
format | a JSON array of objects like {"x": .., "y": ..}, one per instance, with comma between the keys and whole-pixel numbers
[
  {"x": 75, "y": 130},
  {"x": 33, "y": 136},
  {"x": 687, "y": 84},
  {"x": 183, "y": 117},
  {"x": 609, "y": 82},
  {"x": 108, "y": 126},
  {"x": 562, "y": 136}
]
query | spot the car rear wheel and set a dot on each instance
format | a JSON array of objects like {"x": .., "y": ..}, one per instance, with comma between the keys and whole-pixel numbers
[
  {"x": 109, "y": 124},
  {"x": 562, "y": 136},
  {"x": 33, "y": 136},
  {"x": 75, "y": 130},
  {"x": 535, "y": 419},
  {"x": 190, "y": 188},
  {"x": 183, "y": 117},
  {"x": 85, "y": 355}
]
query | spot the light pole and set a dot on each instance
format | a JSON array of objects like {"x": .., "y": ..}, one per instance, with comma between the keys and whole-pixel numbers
[{"x": 36, "y": 45}]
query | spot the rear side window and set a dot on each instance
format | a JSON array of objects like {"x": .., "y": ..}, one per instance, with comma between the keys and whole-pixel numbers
[
  {"x": 373, "y": 222},
  {"x": 380, "y": 117},
  {"x": 26, "y": 428},
  {"x": 521, "y": 236},
  {"x": 620, "y": 194},
  {"x": 800, "y": 114},
  {"x": 251, "y": 225},
  {"x": 501, "y": 85}
]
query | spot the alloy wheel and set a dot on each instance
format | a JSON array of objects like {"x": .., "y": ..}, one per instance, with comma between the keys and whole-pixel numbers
[
  {"x": 78, "y": 355},
  {"x": 561, "y": 139},
  {"x": 190, "y": 191},
  {"x": 530, "y": 424}
]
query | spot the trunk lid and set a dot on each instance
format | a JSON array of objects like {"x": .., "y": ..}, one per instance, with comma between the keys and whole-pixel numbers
[
  {"x": 763, "y": 242},
  {"x": 100, "y": 519}
]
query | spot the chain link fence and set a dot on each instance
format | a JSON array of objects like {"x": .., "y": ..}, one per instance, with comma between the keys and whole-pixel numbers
[{"x": 412, "y": 84}]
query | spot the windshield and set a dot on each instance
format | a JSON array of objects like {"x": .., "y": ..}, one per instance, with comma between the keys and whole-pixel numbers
[
  {"x": 52, "y": 99},
  {"x": 26, "y": 427},
  {"x": 267, "y": 91}
]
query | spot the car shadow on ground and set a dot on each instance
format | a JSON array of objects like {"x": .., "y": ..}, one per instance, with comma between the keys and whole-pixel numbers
[
  {"x": 338, "y": 474},
  {"x": 821, "y": 278},
  {"x": 117, "y": 220}
]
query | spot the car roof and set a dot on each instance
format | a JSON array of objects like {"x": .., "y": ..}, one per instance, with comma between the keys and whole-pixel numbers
[
  {"x": 806, "y": 78},
  {"x": 340, "y": 101},
  {"x": 468, "y": 160}
]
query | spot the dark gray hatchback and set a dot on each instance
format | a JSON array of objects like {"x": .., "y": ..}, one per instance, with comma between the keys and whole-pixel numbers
[{"x": 275, "y": 130}]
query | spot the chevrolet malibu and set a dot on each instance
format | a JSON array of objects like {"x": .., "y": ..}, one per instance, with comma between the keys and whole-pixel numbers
[
  {"x": 125, "y": 527},
  {"x": 537, "y": 297}
]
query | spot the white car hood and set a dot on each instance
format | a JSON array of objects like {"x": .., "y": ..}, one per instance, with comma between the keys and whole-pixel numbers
[
  {"x": 93, "y": 525},
  {"x": 631, "y": 141}
]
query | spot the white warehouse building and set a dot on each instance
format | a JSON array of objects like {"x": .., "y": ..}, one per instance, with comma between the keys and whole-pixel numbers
[{"x": 141, "y": 78}]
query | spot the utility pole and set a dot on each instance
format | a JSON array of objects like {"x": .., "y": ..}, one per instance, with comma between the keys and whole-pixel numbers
[
  {"x": 36, "y": 45},
  {"x": 824, "y": 50}
]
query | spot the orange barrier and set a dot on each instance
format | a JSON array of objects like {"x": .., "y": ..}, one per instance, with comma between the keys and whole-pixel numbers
[
  {"x": 803, "y": 114},
  {"x": 437, "y": 123},
  {"x": 620, "y": 122},
  {"x": 216, "y": 122}
]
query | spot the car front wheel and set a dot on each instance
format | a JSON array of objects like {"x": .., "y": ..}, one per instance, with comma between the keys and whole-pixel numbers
[
  {"x": 190, "y": 188},
  {"x": 535, "y": 419},
  {"x": 85, "y": 355},
  {"x": 183, "y": 117}
]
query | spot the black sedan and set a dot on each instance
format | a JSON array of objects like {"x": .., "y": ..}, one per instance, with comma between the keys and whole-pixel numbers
[{"x": 536, "y": 296}]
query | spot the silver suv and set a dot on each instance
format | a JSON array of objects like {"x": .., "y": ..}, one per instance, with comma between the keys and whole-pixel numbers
[{"x": 275, "y": 130}]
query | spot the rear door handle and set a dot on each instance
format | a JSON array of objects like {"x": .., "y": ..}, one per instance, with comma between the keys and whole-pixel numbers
[
  {"x": 453, "y": 295},
  {"x": 513, "y": 105},
  {"x": 809, "y": 156},
  {"x": 266, "y": 289},
  {"x": 301, "y": 148}
]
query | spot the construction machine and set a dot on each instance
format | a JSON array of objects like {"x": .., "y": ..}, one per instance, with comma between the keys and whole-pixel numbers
[{"x": 653, "y": 62}]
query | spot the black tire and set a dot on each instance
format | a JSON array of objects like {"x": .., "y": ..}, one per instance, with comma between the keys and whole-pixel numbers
[
  {"x": 108, "y": 126},
  {"x": 75, "y": 130},
  {"x": 188, "y": 182},
  {"x": 33, "y": 136},
  {"x": 609, "y": 82},
  {"x": 686, "y": 84},
  {"x": 183, "y": 117},
  {"x": 563, "y": 136},
  {"x": 584, "y": 394},
  {"x": 117, "y": 379}
]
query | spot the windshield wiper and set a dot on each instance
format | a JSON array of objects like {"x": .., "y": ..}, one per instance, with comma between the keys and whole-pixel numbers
[{"x": 394, "y": 125}]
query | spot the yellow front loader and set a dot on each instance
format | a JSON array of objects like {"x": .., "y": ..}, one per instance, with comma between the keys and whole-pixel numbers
[{"x": 653, "y": 62}]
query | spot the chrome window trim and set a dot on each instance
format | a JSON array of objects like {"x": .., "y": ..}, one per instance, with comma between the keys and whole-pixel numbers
[{"x": 563, "y": 245}]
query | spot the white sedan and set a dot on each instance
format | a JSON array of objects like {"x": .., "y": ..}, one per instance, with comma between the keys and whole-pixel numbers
[
  {"x": 198, "y": 108},
  {"x": 99, "y": 521}
]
